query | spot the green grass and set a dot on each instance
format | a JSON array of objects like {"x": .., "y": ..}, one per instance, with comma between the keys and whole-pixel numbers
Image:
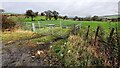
[
  {"x": 27, "y": 26},
  {"x": 17, "y": 35},
  {"x": 72, "y": 53},
  {"x": 57, "y": 30},
  {"x": 106, "y": 26},
  {"x": 45, "y": 39},
  {"x": 57, "y": 33}
]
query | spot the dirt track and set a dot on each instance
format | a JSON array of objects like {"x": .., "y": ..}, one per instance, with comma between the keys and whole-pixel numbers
[
  {"x": 23, "y": 54},
  {"x": 20, "y": 53}
]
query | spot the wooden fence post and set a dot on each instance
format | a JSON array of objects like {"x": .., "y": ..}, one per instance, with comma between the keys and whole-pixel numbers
[
  {"x": 118, "y": 43},
  {"x": 110, "y": 36},
  {"x": 74, "y": 30},
  {"x": 87, "y": 32},
  {"x": 96, "y": 34},
  {"x": 110, "y": 48}
]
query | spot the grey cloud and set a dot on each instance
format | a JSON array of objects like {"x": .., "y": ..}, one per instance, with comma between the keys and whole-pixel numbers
[{"x": 79, "y": 8}]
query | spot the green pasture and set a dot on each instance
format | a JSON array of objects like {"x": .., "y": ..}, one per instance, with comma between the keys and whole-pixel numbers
[
  {"x": 68, "y": 22},
  {"x": 26, "y": 23}
]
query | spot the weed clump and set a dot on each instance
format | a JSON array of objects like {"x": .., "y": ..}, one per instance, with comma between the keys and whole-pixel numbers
[{"x": 7, "y": 23}]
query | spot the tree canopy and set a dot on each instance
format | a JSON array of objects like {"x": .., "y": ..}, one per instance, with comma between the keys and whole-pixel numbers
[{"x": 30, "y": 13}]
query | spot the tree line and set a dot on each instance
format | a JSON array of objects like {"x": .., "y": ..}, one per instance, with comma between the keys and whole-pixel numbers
[
  {"x": 54, "y": 14},
  {"x": 95, "y": 18},
  {"x": 49, "y": 14}
]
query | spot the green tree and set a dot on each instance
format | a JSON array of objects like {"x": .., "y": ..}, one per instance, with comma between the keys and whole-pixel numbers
[
  {"x": 55, "y": 15},
  {"x": 30, "y": 13},
  {"x": 42, "y": 14},
  {"x": 75, "y": 18},
  {"x": 65, "y": 17},
  {"x": 48, "y": 14},
  {"x": 95, "y": 18}
]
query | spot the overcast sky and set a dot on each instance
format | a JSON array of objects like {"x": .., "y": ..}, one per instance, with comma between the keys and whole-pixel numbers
[{"x": 64, "y": 7}]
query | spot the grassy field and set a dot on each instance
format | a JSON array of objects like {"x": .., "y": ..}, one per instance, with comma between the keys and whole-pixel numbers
[
  {"x": 66, "y": 22},
  {"x": 70, "y": 23},
  {"x": 17, "y": 35},
  {"x": 70, "y": 49}
]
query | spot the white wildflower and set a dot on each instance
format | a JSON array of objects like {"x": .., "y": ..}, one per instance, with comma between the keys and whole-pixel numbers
[
  {"x": 32, "y": 56},
  {"x": 39, "y": 52},
  {"x": 50, "y": 46},
  {"x": 61, "y": 54},
  {"x": 69, "y": 51},
  {"x": 65, "y": 43}
]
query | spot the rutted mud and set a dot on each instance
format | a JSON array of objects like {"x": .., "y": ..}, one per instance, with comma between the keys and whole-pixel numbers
[{"x": 22, "y": 54}]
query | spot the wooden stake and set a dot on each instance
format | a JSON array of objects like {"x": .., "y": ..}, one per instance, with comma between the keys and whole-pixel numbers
[{"x": 96, "y": 34}]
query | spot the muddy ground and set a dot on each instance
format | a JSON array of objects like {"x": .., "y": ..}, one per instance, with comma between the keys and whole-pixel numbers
[{"x": 23, "y": 54}]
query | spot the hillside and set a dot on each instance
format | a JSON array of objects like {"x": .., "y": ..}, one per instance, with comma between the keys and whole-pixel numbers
[{"x": 110, "y": 16}]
